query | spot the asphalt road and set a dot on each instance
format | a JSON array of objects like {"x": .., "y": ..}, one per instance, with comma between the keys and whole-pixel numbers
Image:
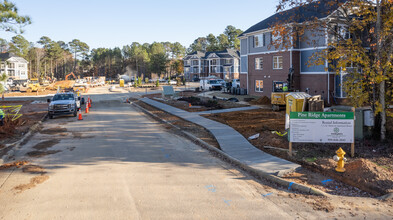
[{"x": 119, "y": 164}]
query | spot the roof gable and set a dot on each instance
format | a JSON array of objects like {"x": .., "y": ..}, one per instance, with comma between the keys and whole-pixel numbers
[{"x": 315, "y": 10}]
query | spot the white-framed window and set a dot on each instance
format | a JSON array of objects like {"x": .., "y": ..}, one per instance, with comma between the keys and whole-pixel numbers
[
  {"x": 277, "y": 62},
  {"x": 187, "y": 69},
  {"x": 195, "y": 62},
  {"x": 21, "y": 65},
  {"x": 11, "y": 65},
  {"x": 187, "y": 62},
  {"x": 227, "y": 69},
  {"x": 228, "y": 61},
  {"x": 214, "y": 62},
  {"x": 259, "y": 40},
  {"x": 259, "y": 63},
  {"x": 258, "y": 85}
]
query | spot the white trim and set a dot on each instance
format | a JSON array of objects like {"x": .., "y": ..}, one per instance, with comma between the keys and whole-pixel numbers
[
  {"x": 243, "y": 72},
  {"x": 282, "y": 63},
  {"x": 255, "y": 88},
  {"x": 282, "y": 51}
]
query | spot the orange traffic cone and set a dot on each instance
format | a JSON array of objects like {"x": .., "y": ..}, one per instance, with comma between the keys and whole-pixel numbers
[
  {"x": 80, "y": 115},
  {"x": 89, "y": 101},
  {"x": 87, "y": 108}
]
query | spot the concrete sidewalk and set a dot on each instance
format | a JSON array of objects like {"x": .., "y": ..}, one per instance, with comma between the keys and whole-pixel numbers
[{"x": 232, "y": 142}]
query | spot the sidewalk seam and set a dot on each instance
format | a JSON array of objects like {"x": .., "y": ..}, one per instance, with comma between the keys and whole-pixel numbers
[{"x": 258, "y": 173}]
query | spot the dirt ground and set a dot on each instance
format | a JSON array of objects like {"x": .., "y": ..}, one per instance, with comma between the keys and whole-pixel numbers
[
  {"x": 371, "y": 170},
  {"x": 198, "y": 104},
  {"x": 15, "y": 94},
  {"x": 194, "y": 129},
  {"x": 13, "y": 130}
]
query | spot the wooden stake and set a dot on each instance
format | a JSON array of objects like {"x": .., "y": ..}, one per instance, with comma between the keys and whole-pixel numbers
[{"x": 290, "y": 149}]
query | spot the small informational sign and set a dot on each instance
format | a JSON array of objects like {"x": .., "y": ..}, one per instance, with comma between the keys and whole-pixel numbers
[{"x": 321, "y": 127}]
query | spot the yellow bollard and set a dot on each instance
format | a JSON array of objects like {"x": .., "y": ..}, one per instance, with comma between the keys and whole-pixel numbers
[{"x": 340, "y": 160}]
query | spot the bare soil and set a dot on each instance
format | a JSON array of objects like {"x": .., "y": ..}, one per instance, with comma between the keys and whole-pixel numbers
[
  {"x": 13, "y": 130},
  {"x": 370, "y": 170},
  {"x": 39, "y": 93},
  {"x": 194, "y": 129},
  {"x": 33, "y": 182},
  {"x": 33, "y": 169},
  {"x": 16, "y": 164},
  {"x": 198, "y": 104}
]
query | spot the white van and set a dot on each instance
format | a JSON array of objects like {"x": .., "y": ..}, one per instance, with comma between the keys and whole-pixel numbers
[{"x": 210, "y": 84}]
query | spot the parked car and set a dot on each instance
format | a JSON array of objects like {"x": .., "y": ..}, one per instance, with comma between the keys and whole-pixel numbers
[
  {"x": 222, "y": 82},
  {"x": 210, "y": 84},
  {"x": 236, "y": 83},
  {"x": 63, "y": 104},
  {"x": 196, "y": 79}
]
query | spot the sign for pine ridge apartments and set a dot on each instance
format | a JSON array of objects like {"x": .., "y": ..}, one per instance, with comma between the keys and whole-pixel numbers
[{"x": 321, "y": 127}]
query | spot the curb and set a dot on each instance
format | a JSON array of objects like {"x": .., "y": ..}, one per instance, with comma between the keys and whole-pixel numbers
[
  {"x": 225, "y": 156},
  {"x": 16, "y": 144}
]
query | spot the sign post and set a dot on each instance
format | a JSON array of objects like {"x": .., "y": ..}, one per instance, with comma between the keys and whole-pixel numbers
[{"x": 322, "y": 127}]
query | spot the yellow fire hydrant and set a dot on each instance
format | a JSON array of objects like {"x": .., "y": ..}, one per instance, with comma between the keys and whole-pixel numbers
[{"x": 340, "y": 160}]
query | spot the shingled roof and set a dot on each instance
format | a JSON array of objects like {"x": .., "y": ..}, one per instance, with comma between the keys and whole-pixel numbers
[
  {"x": 307, "y": 12},
  {"x": 227, "y": 53}
]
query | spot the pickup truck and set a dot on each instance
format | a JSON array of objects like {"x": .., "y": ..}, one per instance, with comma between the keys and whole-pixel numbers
[{"x": 63, "y": 104}]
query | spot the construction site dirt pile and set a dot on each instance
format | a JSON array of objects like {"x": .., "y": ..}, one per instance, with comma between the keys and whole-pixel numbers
[{"x": 261, "y": 101}]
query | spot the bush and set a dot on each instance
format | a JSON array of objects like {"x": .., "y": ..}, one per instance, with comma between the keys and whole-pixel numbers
[{"x": 158, "y": 83}]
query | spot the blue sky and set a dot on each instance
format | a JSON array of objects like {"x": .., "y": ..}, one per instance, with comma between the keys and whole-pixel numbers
[{"x": 103, "y": 23}]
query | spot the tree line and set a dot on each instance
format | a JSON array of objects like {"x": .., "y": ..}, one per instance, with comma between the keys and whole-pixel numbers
[
  {"x": 55, "y": 59},
  {"x": 227, "y": 40}
]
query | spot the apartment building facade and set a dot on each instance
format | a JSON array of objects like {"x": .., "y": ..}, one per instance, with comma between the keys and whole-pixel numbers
[
  {"x": 262, "y": 63},
  {"x": 222, "y": 64},
  {"x": 15, "y": 67}
]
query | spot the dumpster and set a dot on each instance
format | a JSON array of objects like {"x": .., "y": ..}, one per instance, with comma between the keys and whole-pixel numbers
[{"x": 295, "y": 102}]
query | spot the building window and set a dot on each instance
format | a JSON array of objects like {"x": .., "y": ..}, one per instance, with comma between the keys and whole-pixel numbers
[
  {"x": 11, "y": 65},
  {"x": 258, "y": 85},
  {"x": 195, "y": 62},
  {"x": 21, "y": 65},
  {"x": 259, "y": 63},
  {"x": 228, "y": 61},
  {"x": 11, "y": 72},
  {"x": 214, "y": 62},
  {"x": 259, "y": 40},
  {"x": 277, "y": 62},
  {"x": 187, "y": 62},
  {"x": 227, "y": 69}
]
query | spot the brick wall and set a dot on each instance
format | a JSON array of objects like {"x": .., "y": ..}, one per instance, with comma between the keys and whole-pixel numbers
[{"x": 268, "y": 74}]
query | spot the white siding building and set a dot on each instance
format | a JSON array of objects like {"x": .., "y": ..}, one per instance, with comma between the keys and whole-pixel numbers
[{"x": 15, "y": 67}]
